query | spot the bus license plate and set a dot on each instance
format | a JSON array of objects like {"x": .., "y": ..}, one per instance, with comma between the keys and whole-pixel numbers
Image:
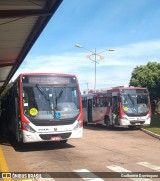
[
  {"x": 55, "y": 138},
  {"x": 137, "y": 124}
]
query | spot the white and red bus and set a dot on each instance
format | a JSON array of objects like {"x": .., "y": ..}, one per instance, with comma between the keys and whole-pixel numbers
[
  {"x": 122, "y": 106},
  {"x": 43, "y": 107}
]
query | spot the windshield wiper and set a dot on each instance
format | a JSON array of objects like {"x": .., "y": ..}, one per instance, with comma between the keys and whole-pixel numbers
[
  {"x": 42, "y": 92},
  {"x": 132, "y": 101},
  {"x": 59, "y": 95},
  {"x": 51, "y": 103}
]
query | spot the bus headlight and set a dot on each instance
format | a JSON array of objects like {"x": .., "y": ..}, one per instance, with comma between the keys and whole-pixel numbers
[
  {"x": 28, "y": 127},
  {"x": 78, "y": 125}
]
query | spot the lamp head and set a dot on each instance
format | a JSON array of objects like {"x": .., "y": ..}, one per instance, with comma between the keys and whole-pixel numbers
[
  {"x": 78, "y": 46},
  {"x": 110, "y": 50}
]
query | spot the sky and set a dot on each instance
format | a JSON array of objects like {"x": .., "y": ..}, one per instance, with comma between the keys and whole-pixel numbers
[{"x": 130, "y": 27}]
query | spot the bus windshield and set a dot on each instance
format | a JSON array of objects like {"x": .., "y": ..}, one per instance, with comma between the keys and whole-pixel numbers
[
  {"x": 50, "y": 101},
  {"x": 135, "y": 104}
]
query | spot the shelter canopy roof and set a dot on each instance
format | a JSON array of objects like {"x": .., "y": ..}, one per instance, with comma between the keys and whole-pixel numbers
[{"x": 21, "y": 23}]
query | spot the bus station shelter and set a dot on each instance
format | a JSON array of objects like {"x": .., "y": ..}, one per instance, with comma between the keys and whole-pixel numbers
[{"x": 21, "y": 23}]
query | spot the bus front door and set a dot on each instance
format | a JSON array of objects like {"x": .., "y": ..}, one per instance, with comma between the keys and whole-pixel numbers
[
  {"x": 115, "y": 110},
  {"x": 89, "y": 108}
]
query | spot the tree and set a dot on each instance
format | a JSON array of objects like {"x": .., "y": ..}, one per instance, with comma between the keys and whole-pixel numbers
[{"x": 148, "y": 76}]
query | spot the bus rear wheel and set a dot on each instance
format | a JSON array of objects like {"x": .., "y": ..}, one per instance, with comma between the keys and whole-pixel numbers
[
  {"x": 63, "y": 141},
  {"x": 107, "y": 122},
  {"x": 131, "y": 127}
]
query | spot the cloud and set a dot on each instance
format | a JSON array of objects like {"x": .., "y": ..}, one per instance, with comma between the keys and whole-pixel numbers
[
  {"x": 114, "y": 70},
  {"x": 134, "y": 54}
]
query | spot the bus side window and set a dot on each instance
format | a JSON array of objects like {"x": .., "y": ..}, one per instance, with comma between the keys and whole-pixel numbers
[
  {"x": 119, "y": 99},
  {"x": 110, "y": 101},
  {"x": 107, "y": 101},
  {"x": 84, "y": 102},
  {"x": 97, "y": 103},
  {"x": 94, "y": 102},
  {"x": 101, "y": 102}
]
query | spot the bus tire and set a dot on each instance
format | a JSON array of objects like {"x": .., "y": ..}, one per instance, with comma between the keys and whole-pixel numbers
[
  {"x": 107, "y": 122},
  {"x": 63, "y": 141},
  {"x": 85, "y": 123},
  {"x": 138, "y": 127},
  {"x": 131, "y": 127}
]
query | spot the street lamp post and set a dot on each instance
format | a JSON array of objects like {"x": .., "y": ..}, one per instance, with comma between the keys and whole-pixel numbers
[{"x": 95, "y": 54}]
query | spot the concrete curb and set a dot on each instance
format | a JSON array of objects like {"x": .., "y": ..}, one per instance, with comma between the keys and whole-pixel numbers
[{"x": 151, "y": 133}]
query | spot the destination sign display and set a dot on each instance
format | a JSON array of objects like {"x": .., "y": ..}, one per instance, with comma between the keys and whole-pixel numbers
[{"x": 48, "y": 79}]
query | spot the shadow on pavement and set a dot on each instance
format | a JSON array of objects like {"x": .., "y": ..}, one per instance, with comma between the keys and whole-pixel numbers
[
  {"x": 27, "y": 147},
  {"x": 100, "y": 127},
  {"x": 4, "y": 141}
]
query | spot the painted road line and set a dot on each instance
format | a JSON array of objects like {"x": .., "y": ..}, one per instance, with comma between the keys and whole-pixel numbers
[
  {"x": 149, "y": 165},
  {"x": 116, "y": 168},
  {"x": 90, "y": 175},
  {"x": 4, "y": 167}
]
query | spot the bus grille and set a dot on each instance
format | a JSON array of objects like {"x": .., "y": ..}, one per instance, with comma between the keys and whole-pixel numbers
[
  {"x": 48, "y": 136},
  {"x": 135, "y": 122},
  {"x": 52, "y": 122}
]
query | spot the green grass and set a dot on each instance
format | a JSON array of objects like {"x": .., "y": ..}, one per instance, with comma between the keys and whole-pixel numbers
[{"x": 155, "y": 124}]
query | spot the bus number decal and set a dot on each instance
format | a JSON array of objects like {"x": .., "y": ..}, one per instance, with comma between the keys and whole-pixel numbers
[
  {"x": 125, "y": 108},
  {"x": 33, "y": 111}
]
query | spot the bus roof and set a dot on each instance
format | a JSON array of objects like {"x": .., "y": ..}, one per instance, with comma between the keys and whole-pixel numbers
[
  {"x": 58, "y": 74},
  {"x": 118, "y": 89},
  {"x": 97, "y": 94}
]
